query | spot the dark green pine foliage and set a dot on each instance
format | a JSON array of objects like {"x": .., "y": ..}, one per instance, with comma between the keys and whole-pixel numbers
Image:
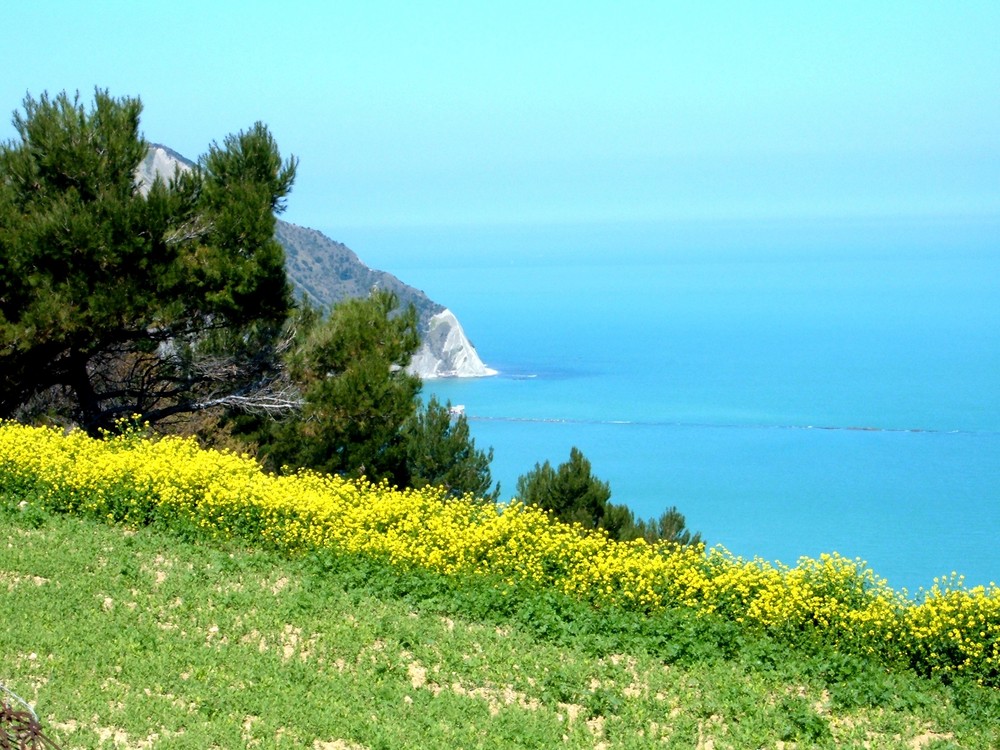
[
  {"x": 441, "y": 452},
  {"x": 115, "y": 300},
  {"x": 670, "y": 526},
  {"x": 573, "y": 494},
  {"x": 357, "y": 395},
  {"x": 570, "y": 491}
]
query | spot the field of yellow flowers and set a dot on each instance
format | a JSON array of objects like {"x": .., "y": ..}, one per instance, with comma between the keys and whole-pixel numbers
[{"x": 948, "y": 630}]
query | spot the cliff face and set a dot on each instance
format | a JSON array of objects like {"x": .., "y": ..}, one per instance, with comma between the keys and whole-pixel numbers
[
  {"x": 446, "y": 352},
  {"x": 326, "y": 271}
]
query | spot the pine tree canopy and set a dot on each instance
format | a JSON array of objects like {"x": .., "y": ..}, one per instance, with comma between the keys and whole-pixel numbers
[
  {"x": 572, "y": 493},
  {"x": 441, "y": 452},
  {"x": 116, "y": 300},
  {"x": 356, "y": 393}
]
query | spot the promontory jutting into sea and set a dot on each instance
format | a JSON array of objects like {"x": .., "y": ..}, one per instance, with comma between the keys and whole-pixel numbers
[{"x": 792, "y": 387}]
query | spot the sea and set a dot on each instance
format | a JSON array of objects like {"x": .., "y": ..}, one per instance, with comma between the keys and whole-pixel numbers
[{"x": 793, "y": 387}]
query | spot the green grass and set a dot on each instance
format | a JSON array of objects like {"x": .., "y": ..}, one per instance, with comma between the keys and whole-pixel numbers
[{"x": 140, "y": 639}]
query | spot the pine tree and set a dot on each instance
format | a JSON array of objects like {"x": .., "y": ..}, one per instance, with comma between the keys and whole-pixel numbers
[
  {"x": 117, "y": 301},
  {"x": 441, "y": 452},
  {"x": 570, "y": 491},
  {"x": 669, "y": 526},
  {"x": 356, "y": 394},
  {"x": 575, "y": 495}
]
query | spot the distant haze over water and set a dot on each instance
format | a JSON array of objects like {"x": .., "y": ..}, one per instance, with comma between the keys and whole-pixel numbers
[{"x": 793, "y": 387}]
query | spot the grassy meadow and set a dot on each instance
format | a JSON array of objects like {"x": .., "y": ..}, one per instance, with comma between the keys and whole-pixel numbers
[{"x": 156, "y": 595}]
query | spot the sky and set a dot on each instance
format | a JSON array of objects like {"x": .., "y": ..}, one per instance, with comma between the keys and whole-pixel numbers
[{"x": 471, "y": 114}]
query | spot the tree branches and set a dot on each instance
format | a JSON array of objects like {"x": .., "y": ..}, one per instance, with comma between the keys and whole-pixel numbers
[{"x": 127, "y": 300}]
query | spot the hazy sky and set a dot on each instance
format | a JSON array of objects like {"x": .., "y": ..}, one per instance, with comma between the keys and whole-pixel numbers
[{"x": 468, "y": 113}]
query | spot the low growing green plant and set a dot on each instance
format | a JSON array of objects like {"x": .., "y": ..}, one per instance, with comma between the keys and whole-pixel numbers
[{"x": 142, "y": 639}]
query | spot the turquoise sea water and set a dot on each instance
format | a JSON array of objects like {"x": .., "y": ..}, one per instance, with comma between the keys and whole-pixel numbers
[{"x": 793, "y": 388}]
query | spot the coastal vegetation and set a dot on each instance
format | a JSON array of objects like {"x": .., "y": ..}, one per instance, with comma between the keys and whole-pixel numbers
[
  {"x": 169, "y": 300},
  {"x": 172, "y": 483},
  {"x": 166, "y": 552}
]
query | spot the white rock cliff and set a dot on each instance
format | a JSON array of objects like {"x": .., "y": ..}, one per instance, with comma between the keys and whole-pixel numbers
[{"x": 446, "y": 352}]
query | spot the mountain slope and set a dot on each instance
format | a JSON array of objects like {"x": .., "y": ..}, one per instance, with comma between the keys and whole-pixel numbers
[{"x": 326, "y": 271}]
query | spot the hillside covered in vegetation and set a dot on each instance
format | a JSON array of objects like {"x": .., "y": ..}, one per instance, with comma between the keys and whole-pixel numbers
[{"x": 555, "y": 630}]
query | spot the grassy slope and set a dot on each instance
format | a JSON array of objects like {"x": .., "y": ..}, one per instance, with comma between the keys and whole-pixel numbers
[{"x": 137, "y": 639}]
